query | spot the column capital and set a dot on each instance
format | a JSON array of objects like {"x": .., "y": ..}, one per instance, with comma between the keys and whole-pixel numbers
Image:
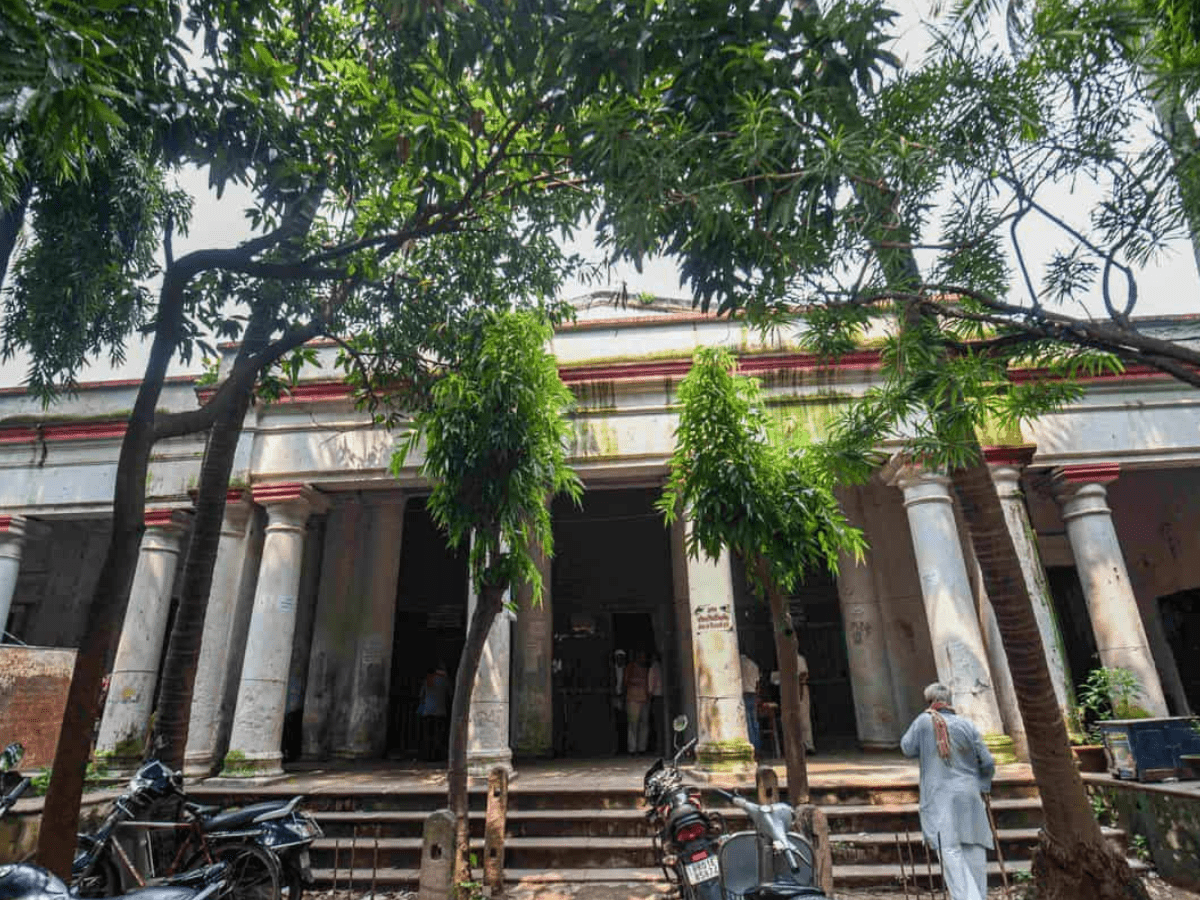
[
  {"x": 1087, "y": 473},
  {"x": 13, "y": 528},
  {"x": 169, "y": 519},
  {"x": 291, "y": 503},
  {"x": 1017, "y": 456},
  {"x": 919, "y": 485}
]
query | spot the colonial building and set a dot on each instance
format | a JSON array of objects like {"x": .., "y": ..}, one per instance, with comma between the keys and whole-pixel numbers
[{"x": 334, "y": 593}]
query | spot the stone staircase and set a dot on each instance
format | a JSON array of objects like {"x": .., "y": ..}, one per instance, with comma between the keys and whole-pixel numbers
[{"x": 581, "y": 834}]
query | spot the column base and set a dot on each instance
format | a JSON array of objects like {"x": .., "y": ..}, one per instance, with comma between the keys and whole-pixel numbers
[
  {"x": 251, "y": 765},
  {"x": 117, "y": 766},
  {"x": 735, "y": 756},
  {"x": 1002, "y": 747},
  {"x": 878, "y": 746},
  {"x": 481, "y": 762},
  {"x": 198, "y": 766}
]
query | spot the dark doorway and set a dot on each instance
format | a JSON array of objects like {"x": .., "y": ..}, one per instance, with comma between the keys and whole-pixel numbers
[
  {"x": 1074, "y": 623},
  {"x": 431, "y": 616},
  {"x": 611, "y": 590},
  {"x": 1181, "y": 622},
  {"x": 817, "y": 617}
]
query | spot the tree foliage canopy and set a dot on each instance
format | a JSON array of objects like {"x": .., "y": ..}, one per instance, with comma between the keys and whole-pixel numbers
[
  {"x": 495, "y": 435},
  {"x": 748, "y": 481}
]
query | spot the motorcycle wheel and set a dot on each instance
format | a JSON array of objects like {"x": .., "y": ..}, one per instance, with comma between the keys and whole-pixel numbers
[
  {"x": 254, "y": 873},
  {"x": 102, "y": 880}
]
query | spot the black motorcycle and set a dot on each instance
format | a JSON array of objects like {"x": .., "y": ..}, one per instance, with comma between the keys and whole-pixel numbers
[
  {"x": 26, "y": 881},
  {"x": 686, "y": 835},
  {"x": 265, "y": 844}
]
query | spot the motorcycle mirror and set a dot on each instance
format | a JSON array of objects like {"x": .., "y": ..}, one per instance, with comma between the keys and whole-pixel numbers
[
  {"x": 11, "y": 756},
  {"x": 680, "y": 724}
]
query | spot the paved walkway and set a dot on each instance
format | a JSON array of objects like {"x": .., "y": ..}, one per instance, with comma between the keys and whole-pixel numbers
[{"x": 609, "y": 773}]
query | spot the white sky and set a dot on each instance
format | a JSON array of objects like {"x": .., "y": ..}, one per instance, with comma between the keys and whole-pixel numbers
[{"x": 1170, "y": 287}]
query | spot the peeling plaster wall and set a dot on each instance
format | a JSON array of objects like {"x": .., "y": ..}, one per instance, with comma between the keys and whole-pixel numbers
[{"x": 1168, "y": 818}]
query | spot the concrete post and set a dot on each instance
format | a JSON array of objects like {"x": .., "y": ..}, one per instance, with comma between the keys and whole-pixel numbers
[
  {"x": 12, "y": 544},
  {"x": 1006, "y": 464},
  {"x": 533, "y": 655},
  {"x": 720, "y": 710},
  {"x": 254, "y": 745},
  {"x": 959, "y": 651},
  {"x": 1116, "y": 621},
  {"x": 487, "y": 735},
  {"x": 879, "y": 728},
  {"x": 126, "y": 721},
  {"x": 683, "y": 622},
  {"x": 436, "y": 878},
  {"x": 213, "y": 668},
  {"x": 370, "y": 680},
  {"x": 493, "y": 831}
]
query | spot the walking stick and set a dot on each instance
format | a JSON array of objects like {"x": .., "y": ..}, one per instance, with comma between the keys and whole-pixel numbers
[{"x": 987, "y": 802}]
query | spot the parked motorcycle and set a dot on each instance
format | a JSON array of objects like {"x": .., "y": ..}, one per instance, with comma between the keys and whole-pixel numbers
[
  {"x": 686, "y": 836},
  {"x": 266, "y": 844},
  {"x": 770, "y": 862},
  {"x": 26, "y": 881}
]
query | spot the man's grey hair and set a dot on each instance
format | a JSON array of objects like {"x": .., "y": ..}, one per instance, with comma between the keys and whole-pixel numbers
[{"x": 937, "y": 693}]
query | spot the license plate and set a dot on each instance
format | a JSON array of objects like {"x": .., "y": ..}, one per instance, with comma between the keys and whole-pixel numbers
[{"x": 705, "y": 870}]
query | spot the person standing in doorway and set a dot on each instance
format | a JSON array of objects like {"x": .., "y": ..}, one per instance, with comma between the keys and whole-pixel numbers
[
  {"x": 655, "y": 686},
  {"x": 806, "y": 729},
  {"x": 750, "y": 676},
  {"x": 637, "y": 702},
  {"x": 956, "y": 770},
  {"x": 618, "y": 701},
  {"x": 434, "y": 713}
]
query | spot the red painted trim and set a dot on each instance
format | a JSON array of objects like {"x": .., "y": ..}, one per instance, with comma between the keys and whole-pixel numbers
[
  {"x": 1089, "y": 473},
  {"x": 114, "y": 384},
  {"x": 160, "y": 518},
  {"x": 5, "y": 523},
  {"x": 68, "y": 431},
  {"x": 277, "y": 493},
  {"x": 1019, "y": 456}
]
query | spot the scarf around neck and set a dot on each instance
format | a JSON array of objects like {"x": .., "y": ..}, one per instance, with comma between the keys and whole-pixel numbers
[{"x": 940, "y": 730}]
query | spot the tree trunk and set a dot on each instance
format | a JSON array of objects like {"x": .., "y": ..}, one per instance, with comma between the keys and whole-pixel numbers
[
  {"x": 173, "y": 710},
  {"x": 1073, "y": 859},
  {"x": 786, "y": 650},
  {"x": 491, "y": 601},
  {"x": 106, "y": 611}
]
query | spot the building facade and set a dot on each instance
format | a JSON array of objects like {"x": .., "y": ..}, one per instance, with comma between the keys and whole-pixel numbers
[{"x": 334, "y": 594}]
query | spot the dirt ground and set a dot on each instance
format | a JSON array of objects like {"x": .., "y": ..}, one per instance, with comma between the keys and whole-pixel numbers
[{"x": 1157, "y": 888}]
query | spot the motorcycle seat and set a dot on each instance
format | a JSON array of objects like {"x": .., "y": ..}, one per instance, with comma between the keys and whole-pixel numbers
[
  {"x": 200, "y": 810},
  {"x": 241, "y": 817},
  {"x": 160, "y": 892},
  {"x": 784, "y": 891},
  {"x": 29, "y": 881}
]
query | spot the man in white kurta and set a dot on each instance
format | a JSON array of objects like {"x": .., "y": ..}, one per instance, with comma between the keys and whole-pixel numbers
[{"x": 956, "y": 769}]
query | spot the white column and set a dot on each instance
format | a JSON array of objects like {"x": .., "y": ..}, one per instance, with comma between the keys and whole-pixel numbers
[
  {"x": 533, "y": 652},
  {"x": 879, "y": 727},
  {"x": 130, "y": 700},
  {"x": 254, "y": 745},
  {"x": 1116, "y": 622},
  {"x": 487, "y": 734},
  {"x": 958, "y": 647},
  {"x": 370, "y": 681},
  {"x": 12, "y": 544},
  {"x": 213, "y": 668},
  {"x": 1006, "y": 465},
  {"x": 720, "y": 709}
]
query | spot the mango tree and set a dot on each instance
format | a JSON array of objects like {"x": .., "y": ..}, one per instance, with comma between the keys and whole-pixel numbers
[
  {"x": 746, "y": 482},
  {"x": 494, "y": 438}
]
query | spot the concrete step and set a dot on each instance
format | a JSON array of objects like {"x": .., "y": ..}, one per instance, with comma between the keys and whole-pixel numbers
[
  {"x": 631, "y": 822},
  {"x": 883, "y": 848},
  {"x": 584, "y": 852},
  {"x": 844, "y": 876}
]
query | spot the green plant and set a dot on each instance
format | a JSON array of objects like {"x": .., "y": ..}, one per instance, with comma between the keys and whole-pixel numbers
[
  {"x": 1108, "y": 693},
  {"x": 1102, "y": 808},
  {"x": 1140, "y": 847}
]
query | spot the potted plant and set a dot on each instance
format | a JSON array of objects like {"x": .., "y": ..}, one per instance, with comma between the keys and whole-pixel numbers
[{"x": 1109, "y": 693}]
